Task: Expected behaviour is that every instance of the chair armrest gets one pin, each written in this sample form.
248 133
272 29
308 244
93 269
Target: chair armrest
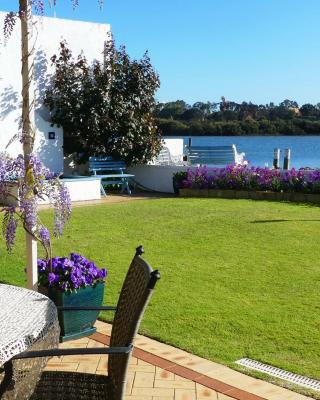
73 351
84 308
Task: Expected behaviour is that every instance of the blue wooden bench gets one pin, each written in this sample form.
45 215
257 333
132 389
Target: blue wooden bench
111 173
214 155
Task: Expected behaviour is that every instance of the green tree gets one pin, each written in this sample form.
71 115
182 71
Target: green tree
309 110
170 127
105 109
173 109
193 114
289 104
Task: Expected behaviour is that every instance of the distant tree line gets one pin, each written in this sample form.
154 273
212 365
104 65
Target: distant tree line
228 118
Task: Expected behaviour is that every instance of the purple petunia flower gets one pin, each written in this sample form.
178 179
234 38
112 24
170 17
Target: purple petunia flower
102 273
52 278
42 266
70 273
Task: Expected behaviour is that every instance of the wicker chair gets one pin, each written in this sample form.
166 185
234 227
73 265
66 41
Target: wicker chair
135 294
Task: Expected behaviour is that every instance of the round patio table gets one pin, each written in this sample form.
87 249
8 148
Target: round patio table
28 321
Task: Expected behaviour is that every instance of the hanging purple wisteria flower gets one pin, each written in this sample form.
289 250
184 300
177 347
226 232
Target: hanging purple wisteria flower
9 227
25 187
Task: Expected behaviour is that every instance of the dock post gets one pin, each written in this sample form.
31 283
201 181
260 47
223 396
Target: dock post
186 156
287 158
276 158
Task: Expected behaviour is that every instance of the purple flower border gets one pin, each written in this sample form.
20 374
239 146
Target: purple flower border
248 178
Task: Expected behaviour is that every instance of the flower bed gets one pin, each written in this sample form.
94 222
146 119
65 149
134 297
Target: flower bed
256 183
253 179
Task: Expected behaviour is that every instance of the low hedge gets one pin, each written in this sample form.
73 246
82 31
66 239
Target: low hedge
242 194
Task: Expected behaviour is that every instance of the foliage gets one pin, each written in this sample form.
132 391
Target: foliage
69 274
253 178
228 118
33 185
180 177
105 108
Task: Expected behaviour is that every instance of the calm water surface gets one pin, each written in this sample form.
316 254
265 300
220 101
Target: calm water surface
305 150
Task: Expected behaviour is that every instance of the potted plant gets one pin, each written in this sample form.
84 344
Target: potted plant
72 282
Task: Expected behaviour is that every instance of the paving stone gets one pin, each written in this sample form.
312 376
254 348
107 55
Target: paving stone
141 362
174 384
130 380
222 396
88 368
162 398
54 360
83 359
62 367
184 394
103 363
93 343
164 375
144 379
154 392
204 393
142 368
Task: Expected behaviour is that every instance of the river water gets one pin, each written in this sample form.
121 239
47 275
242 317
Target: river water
305 150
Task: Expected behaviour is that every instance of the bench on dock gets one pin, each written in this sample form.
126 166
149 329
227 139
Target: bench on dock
214 155
111 172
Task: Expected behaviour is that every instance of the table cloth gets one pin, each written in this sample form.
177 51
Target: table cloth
28 321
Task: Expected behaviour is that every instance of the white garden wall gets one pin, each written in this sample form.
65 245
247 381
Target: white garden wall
156 177
80 36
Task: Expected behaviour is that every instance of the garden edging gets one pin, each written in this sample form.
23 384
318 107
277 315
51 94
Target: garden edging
253 195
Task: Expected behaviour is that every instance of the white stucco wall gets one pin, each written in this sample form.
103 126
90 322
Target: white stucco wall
175 146
80 36
156 177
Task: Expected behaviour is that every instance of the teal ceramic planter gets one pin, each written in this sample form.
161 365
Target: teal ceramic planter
76 324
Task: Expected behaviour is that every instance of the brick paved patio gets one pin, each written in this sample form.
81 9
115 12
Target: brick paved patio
161 372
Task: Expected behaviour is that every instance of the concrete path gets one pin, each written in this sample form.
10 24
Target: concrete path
162 372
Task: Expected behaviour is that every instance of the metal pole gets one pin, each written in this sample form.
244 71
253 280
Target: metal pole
276 158
287 158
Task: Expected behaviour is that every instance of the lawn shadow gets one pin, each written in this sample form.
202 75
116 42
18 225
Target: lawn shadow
267 221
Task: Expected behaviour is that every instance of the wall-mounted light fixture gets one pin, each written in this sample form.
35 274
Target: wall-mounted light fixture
51 135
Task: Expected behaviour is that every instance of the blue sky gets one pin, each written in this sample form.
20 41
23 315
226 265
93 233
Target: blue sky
251 50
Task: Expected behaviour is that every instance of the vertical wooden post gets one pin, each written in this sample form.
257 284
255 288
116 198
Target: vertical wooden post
276 158
32 269
287 158
27 119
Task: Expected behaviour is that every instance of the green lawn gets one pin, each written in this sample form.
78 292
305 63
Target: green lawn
239 278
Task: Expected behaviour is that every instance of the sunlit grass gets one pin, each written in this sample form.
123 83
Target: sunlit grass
239 278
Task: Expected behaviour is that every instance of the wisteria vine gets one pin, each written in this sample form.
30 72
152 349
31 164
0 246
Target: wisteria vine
23 190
